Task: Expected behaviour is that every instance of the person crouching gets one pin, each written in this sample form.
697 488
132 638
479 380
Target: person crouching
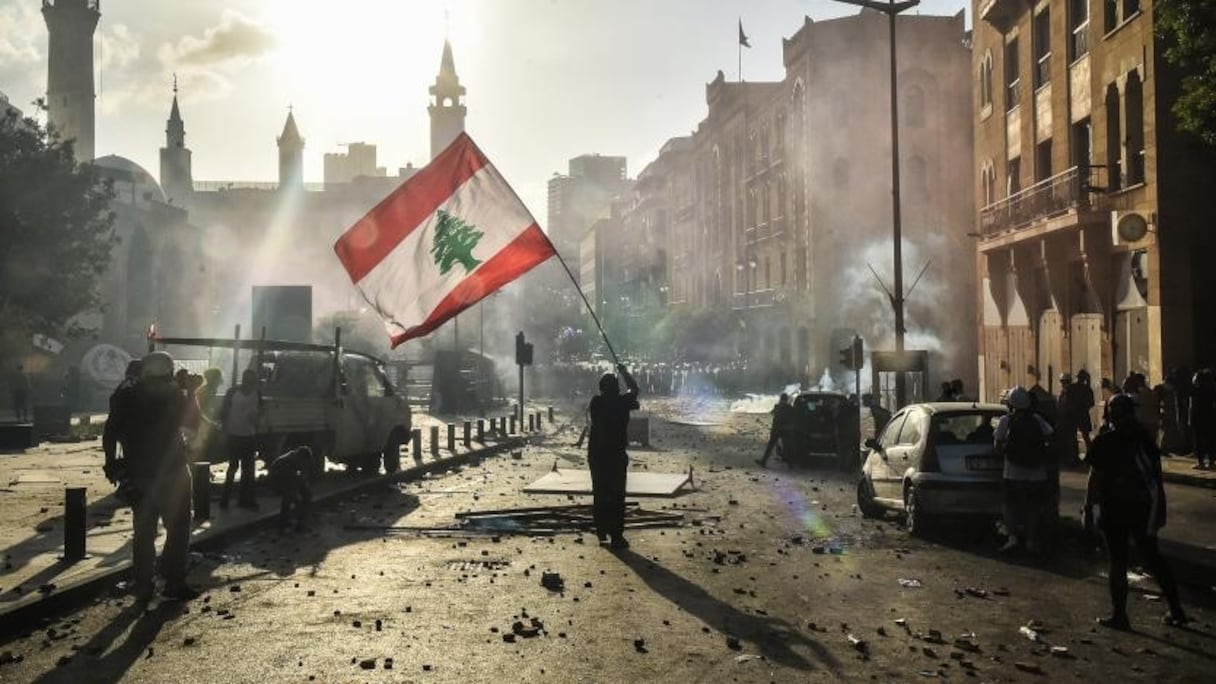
288 476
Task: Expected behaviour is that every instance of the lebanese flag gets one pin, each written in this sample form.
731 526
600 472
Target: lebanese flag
448 236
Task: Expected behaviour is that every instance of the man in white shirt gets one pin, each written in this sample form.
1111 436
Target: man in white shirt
239 416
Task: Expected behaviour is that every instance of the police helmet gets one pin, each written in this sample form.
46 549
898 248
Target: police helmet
158 365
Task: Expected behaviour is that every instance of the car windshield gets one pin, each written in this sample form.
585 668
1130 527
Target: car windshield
964 428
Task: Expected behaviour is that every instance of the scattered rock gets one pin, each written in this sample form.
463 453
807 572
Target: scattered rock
552 581
733 643
368 663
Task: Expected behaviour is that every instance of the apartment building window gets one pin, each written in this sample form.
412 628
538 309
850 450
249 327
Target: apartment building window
1012 74
1082 145
1013 176
1117 12
988 182
1114 139
1042 160
1042 47
1133 102
1078 28
986 80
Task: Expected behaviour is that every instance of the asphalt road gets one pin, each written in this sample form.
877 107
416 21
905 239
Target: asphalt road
773 576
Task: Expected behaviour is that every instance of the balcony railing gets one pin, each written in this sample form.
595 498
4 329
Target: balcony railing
1074 189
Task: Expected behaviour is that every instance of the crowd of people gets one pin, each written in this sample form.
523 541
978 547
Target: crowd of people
661 379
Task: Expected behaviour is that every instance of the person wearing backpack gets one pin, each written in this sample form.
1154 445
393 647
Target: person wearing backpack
1021 439
1125 499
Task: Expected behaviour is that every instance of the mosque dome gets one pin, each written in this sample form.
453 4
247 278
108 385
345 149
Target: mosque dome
132 183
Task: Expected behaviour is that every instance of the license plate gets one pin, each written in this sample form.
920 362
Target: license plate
985 463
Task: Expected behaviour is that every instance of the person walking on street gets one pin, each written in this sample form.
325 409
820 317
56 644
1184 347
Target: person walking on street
19 392
1125 499
782 413
145 418
1021 439
239 416
1203 418
609 412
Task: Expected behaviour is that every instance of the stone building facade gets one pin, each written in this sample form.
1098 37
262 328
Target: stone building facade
1091 204
775 204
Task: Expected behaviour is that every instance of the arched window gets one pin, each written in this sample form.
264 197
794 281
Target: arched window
988 182
986 80
914 106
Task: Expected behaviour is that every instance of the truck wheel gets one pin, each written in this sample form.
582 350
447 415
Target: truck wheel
392 452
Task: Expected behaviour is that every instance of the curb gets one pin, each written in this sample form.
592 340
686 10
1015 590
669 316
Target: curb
1189 480
23 615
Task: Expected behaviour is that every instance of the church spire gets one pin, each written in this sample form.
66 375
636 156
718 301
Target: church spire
447 109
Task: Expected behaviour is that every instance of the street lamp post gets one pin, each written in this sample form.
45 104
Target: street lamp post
891 9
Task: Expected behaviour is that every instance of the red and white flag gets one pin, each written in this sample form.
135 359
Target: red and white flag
447 237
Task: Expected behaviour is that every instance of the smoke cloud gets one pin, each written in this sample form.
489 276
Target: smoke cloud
236 37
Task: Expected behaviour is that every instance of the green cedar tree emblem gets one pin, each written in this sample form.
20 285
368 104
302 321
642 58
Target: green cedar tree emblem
454 241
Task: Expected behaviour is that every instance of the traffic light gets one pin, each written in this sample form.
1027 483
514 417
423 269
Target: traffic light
852 357
846 357
523 351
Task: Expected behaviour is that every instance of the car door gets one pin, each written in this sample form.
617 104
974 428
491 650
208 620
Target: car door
905 455
881 474
352 410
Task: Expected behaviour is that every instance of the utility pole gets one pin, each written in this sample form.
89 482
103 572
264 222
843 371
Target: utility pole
892 9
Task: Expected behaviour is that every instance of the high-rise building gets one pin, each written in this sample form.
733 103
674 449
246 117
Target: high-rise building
69 90
447 110
577 199
1093 209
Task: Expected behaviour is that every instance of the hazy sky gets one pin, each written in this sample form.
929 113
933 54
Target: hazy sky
547 79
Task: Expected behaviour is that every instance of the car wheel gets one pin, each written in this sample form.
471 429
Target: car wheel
392 453
914 517
865 499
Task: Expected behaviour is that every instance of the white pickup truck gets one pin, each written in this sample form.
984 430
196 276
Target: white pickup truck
340 403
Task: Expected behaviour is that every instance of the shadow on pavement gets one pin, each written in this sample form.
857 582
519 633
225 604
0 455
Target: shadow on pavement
775 638
101 661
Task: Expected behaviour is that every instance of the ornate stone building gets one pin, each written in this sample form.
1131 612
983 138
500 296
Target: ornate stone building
773 207
1093 209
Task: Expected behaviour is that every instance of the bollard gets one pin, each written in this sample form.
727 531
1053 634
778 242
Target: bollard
73 523
200 483
416 442
468 428
539 420
435 440
451 437
512 429
481 431
531 422
550 415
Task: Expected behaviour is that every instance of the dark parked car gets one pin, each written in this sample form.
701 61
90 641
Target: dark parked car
825 428
934 460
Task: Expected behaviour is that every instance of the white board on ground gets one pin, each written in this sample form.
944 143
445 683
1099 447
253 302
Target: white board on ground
578 481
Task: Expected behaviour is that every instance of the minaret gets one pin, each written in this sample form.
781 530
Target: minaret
291 155
69 82
447 110
176 178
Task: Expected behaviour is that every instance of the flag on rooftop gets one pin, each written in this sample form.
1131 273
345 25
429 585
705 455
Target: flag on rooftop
743 36
450 235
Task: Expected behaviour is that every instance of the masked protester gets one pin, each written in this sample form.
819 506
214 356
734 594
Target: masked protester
609 411
1125 499
153 473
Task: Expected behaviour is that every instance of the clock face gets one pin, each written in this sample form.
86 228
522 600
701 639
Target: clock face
1132 227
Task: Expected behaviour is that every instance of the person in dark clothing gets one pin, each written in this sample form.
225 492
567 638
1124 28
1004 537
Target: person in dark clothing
878 414
782 418
947 394
1080 402
1203 418
145 418
288 475
1126 496
609 412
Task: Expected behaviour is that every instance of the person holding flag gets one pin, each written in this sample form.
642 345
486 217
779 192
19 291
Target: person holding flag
609 412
